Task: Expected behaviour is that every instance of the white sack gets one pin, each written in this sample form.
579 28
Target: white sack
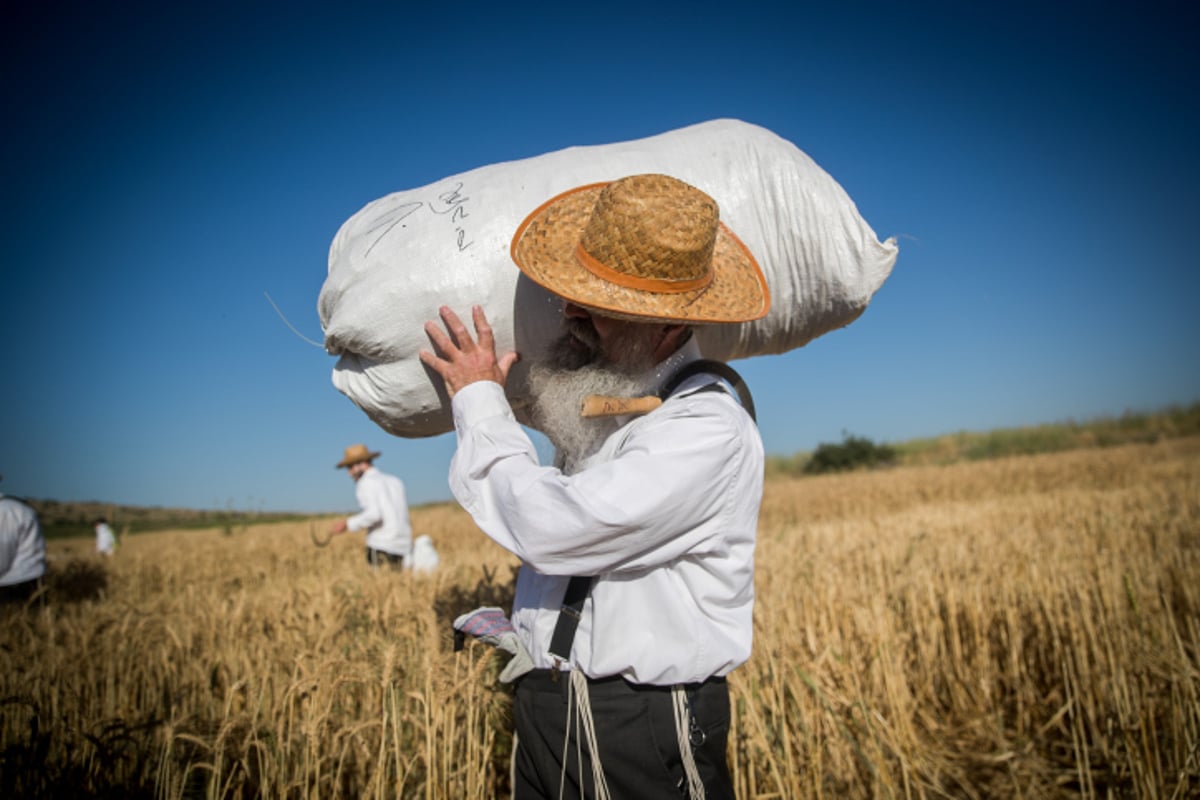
425 556
395 262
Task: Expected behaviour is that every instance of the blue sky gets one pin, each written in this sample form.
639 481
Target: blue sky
165 167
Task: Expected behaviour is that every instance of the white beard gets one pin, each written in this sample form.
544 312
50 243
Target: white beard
575 368
558 398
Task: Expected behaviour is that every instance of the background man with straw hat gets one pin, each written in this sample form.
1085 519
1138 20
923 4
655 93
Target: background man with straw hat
384 514
635 596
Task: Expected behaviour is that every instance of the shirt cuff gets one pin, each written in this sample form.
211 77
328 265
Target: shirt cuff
478 401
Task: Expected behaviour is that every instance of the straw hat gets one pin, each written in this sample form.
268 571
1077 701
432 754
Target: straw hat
356 453
642 247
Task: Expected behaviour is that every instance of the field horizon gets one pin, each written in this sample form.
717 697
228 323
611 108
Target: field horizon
73 519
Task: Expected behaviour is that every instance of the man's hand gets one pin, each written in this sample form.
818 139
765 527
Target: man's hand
464 360
340 527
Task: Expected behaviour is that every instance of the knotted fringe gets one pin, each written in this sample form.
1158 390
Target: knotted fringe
579 706
682 732
579 716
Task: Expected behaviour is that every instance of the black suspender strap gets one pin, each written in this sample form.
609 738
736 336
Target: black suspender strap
568 616
721 370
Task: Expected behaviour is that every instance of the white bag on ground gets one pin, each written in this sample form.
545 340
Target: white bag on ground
396 261
425 556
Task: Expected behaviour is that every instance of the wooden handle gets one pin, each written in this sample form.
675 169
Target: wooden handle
598 405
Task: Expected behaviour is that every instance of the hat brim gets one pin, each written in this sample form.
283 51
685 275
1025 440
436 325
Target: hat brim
544 249
348 462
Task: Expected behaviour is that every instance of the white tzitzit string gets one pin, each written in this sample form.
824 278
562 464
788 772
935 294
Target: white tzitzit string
682 732
579 703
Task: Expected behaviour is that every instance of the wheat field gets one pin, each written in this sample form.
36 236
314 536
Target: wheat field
1024 627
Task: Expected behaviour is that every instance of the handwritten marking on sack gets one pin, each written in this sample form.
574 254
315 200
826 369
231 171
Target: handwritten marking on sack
388 220
451 202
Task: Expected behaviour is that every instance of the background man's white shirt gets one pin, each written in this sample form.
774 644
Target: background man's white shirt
384 513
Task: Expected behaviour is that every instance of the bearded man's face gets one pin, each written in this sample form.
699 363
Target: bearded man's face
595 355
620 345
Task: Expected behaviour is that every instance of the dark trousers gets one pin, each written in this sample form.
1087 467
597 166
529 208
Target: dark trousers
635 733
378 558
20 593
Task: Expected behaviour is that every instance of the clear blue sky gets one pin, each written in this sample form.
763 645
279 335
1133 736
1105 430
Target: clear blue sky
164 168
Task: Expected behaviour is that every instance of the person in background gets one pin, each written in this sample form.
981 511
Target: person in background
384 514
635 595
22 551
106 541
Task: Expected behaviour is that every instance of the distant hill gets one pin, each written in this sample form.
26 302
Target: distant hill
1129 428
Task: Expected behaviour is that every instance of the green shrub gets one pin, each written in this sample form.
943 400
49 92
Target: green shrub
852 453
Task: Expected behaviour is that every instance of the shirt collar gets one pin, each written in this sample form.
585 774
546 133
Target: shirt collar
658 376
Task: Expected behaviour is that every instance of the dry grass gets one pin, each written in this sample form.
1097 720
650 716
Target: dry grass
1028 627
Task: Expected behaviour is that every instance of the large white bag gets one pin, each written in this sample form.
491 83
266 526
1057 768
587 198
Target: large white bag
396 261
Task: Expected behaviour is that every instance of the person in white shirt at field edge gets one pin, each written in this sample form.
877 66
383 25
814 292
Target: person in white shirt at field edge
106 541
384 514
635 595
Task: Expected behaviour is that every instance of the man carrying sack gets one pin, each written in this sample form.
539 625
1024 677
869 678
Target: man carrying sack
635 595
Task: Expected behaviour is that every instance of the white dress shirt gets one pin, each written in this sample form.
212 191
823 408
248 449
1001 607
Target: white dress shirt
384 513
22 548
665 514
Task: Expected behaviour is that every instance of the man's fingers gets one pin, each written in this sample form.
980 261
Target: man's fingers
483 329
454 339
440 340
436 364
457 330
461 360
